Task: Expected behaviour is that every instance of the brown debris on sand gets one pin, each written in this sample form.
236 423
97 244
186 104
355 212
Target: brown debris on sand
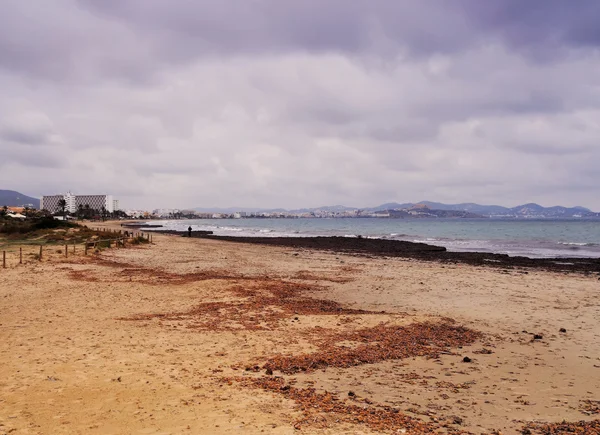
266 304
580 428
324 409
263 305
590 407
380 343
130 272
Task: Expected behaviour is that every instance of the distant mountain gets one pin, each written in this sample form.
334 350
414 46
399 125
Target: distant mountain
423 211
470 207
326 208
528 210
224 210
391 206
467 209
11 198
330 208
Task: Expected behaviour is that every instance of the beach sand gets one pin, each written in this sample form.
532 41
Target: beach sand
178 337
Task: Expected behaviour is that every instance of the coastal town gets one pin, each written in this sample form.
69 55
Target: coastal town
102 206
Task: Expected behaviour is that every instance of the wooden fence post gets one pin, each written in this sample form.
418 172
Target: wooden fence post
41 252
67 251
21 255
4 259
86 247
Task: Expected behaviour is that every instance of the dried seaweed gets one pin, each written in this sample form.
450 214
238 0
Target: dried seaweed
579 428
261 305
322 409
380 343
590 407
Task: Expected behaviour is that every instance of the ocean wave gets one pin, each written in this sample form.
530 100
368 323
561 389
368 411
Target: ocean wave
577 244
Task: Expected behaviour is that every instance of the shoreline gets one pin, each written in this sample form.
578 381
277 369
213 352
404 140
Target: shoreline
411 250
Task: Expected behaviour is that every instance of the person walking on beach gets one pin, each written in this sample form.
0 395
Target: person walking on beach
189 231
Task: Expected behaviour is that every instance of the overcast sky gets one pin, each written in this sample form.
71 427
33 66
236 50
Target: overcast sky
301 103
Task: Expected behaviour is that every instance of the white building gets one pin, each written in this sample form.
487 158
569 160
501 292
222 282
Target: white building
94 202
165 212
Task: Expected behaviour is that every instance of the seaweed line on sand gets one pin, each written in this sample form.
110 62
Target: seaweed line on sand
579 428
376 344
323 409
262 304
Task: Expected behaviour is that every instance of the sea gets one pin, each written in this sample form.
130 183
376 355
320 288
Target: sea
534 238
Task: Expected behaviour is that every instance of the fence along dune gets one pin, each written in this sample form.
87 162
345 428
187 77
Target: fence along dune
19 248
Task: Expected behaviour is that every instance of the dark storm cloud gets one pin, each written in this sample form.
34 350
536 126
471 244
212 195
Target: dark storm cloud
426 26
270 25
133 39
538 22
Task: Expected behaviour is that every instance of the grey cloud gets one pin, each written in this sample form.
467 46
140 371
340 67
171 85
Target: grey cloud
427 26
538 23
299 103
30 128
26 157
133 40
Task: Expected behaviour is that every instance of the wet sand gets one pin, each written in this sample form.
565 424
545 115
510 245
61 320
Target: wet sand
210 336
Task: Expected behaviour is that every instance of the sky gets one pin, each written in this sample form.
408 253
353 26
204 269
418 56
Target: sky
302 103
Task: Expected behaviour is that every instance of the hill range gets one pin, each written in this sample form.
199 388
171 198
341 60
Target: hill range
530 210
11 198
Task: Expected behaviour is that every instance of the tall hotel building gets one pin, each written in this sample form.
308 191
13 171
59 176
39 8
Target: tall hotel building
95 202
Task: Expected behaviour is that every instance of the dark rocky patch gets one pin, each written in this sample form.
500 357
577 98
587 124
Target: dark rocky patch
195 233
419 251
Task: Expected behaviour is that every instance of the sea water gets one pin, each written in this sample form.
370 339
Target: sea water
535 238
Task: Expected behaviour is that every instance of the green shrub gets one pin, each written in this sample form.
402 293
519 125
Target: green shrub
33 225
139 240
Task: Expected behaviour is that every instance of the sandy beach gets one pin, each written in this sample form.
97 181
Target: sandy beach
210 336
